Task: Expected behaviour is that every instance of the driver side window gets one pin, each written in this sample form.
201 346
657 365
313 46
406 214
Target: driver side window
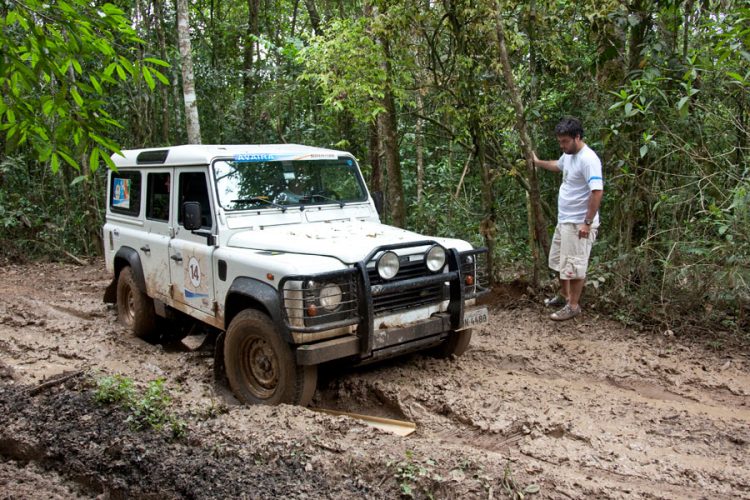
194 187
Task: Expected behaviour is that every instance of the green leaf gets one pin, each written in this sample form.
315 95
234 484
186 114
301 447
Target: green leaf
96 84
531 489
78 180
149 79
158 62
77 66
158 74
55 163
121 72
48 106
110 69
644 150
76 97
94 159
70 161
736 76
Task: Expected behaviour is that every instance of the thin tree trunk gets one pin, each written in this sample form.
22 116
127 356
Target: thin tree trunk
188 81
248 81
376 176
419 144
163 90
686 28
312 12
396 206
539 227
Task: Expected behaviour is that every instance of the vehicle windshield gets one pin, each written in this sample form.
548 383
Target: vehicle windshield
251 183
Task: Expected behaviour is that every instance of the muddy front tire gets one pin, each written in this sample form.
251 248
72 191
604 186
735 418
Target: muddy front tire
261 367
135 309
456 344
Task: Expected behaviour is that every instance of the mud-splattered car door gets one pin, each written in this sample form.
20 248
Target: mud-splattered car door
154 245
190 254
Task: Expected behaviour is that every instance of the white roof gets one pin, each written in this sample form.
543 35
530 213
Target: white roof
203 154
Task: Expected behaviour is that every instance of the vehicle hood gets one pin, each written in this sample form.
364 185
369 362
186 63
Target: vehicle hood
347 241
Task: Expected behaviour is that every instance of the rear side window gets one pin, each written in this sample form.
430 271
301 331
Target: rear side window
125 193
157 197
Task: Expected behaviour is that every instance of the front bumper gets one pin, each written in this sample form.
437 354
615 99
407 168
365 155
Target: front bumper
357 318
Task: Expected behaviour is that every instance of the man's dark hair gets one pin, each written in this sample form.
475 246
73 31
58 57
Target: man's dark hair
569 126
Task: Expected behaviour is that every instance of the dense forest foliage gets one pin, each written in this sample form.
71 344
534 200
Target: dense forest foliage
442 101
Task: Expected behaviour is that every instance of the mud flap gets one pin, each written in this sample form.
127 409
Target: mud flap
220 374
110 294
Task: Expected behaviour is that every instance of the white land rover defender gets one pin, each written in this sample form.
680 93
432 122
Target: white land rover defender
280 248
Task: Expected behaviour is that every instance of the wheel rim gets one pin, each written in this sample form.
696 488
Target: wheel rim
259 367
129 305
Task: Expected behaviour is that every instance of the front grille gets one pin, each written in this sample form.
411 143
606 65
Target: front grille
397 300
304 306
474 265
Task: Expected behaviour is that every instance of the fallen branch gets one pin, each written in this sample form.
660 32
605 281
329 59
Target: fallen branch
55 381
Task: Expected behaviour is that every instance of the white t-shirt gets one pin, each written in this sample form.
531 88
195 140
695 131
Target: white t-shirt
582 173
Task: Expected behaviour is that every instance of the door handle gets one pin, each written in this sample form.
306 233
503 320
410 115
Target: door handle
145 248
176 257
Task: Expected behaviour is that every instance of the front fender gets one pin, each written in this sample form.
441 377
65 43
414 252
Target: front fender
252 293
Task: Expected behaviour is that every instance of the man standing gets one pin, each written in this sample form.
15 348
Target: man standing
577 214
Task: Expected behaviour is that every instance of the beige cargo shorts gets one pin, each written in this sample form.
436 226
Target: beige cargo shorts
569 254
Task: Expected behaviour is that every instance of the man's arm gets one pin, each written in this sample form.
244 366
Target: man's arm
550 165
594 201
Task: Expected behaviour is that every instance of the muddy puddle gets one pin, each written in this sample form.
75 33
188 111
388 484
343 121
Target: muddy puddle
580 409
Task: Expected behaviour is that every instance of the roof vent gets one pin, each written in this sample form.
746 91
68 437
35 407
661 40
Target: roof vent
156 157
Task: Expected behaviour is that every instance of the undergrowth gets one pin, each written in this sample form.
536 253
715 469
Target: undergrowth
148 409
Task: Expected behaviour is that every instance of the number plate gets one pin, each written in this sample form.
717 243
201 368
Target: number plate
474 317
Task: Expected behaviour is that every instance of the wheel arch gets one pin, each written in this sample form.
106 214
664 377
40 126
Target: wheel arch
250 293
125 256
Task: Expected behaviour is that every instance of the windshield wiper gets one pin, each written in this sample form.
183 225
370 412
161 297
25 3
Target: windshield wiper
313 196
256 199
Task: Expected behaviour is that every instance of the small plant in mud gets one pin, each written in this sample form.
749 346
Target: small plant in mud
114 389
511 487
147 410
410 473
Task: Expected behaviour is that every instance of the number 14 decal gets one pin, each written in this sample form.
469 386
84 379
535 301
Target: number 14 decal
194 272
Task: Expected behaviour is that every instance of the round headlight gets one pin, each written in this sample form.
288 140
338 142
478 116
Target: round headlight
330 296
388 265
435 258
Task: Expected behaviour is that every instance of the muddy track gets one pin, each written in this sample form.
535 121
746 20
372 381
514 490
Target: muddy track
585 408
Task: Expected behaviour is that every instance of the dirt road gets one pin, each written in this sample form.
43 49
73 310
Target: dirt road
580 409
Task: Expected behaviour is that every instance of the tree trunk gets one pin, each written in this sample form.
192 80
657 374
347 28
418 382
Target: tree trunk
376 176
163 90
419 144
539 226
396 206
312 12
188 81
248 81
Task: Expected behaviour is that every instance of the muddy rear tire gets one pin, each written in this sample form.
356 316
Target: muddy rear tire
456 344
135 309
261 367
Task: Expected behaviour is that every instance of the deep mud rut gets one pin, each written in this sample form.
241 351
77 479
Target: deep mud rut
580 409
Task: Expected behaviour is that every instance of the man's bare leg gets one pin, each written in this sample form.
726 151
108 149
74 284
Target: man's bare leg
575 288
565 289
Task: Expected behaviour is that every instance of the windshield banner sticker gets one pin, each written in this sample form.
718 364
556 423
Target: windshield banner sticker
263 157
121 193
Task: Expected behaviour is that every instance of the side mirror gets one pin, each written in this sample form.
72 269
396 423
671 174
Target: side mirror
377 197
191 215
